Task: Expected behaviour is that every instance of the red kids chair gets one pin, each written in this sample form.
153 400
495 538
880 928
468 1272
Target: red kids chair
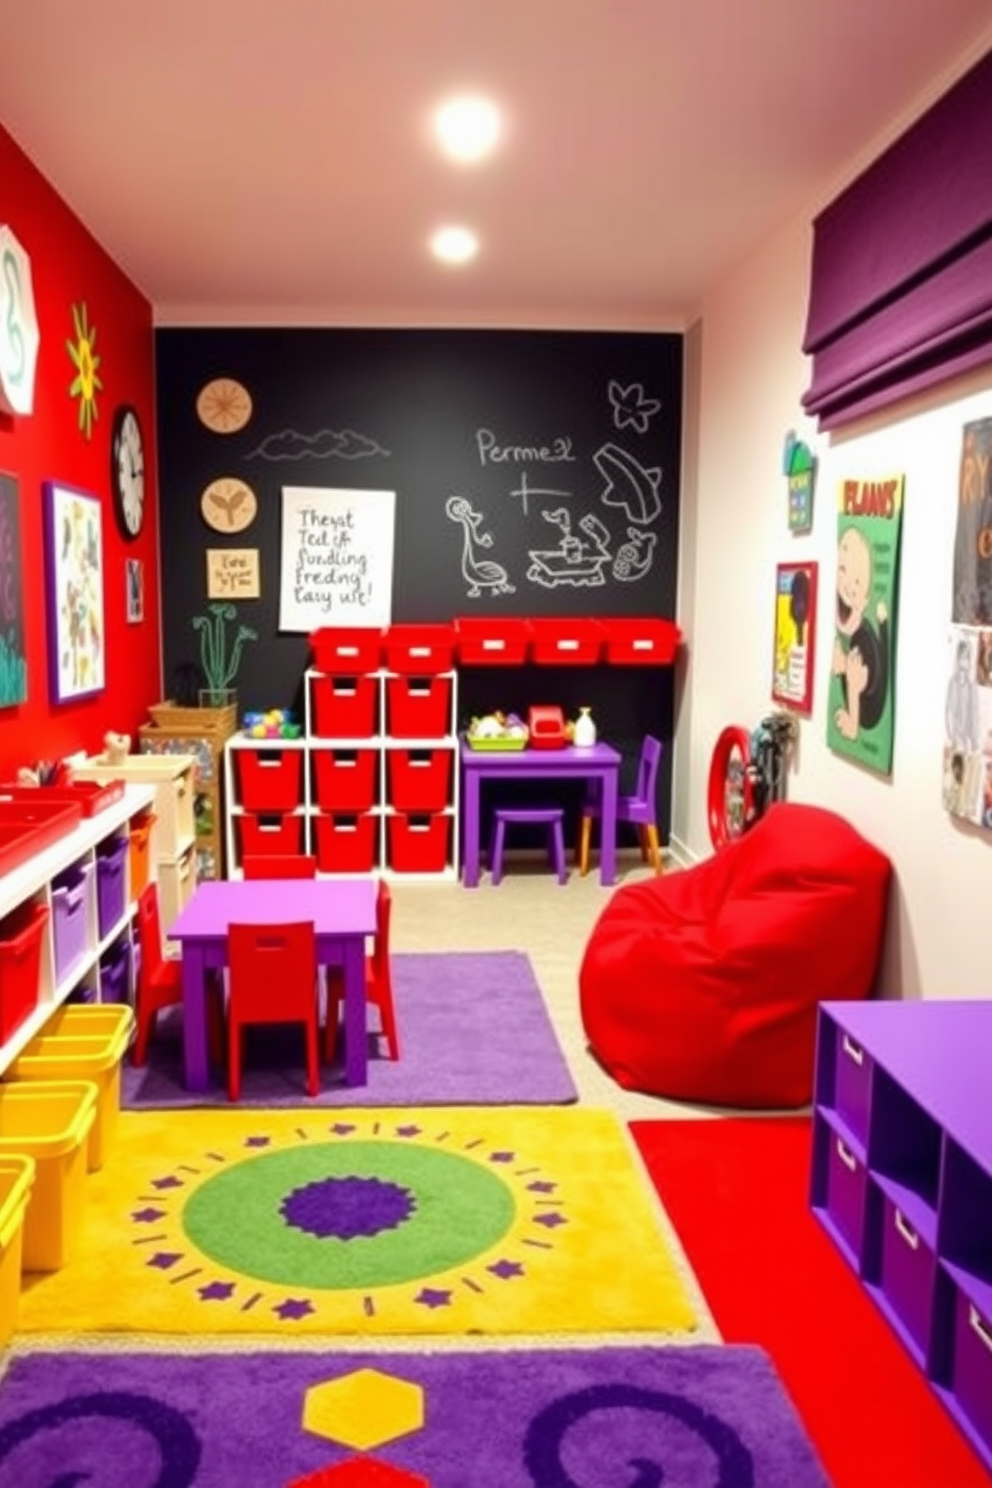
272 978
378 982
160 984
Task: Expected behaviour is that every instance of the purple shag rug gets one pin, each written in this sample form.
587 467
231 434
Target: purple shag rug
701 1417
473 1031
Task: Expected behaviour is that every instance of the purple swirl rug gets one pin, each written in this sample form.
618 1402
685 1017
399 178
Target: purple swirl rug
473 1031
701 1417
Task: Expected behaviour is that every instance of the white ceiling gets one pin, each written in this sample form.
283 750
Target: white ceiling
269 160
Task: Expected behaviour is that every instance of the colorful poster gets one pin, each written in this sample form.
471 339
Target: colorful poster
795 625
972 597
861 700
967 765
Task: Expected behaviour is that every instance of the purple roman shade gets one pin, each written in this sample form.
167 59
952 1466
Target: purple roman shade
901 274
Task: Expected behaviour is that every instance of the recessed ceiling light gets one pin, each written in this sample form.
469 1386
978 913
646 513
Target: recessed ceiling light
467 128
454 245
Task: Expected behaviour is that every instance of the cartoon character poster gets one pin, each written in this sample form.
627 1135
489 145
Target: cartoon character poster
861 702
971 602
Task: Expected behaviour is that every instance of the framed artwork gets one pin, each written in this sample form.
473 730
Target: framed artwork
795 631
13 654
74 572
134 578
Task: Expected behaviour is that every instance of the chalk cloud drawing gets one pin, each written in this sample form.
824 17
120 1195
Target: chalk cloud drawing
631 407
635 556
629 484
481 575
576 561
525 492
343 444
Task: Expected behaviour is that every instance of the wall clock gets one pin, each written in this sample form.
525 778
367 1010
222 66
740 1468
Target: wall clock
228 504
224 405
127 471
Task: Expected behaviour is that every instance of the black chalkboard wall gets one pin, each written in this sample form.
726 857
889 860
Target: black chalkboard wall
551 457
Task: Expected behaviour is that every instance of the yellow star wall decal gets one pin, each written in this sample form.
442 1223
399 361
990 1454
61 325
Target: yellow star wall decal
83 355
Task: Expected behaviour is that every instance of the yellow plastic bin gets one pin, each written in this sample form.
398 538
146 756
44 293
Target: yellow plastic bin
50 1121
16 1180
80 1048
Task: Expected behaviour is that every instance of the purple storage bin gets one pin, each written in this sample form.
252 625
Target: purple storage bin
846 1189
908 1273
115 969
853 1087
111 858
69 917
971 1380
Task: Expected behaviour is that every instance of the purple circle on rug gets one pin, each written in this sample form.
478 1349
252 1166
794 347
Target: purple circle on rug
347 1208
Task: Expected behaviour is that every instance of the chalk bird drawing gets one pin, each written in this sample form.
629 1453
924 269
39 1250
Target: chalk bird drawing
290 444
576 561
631 406
635 556
480 574
629 484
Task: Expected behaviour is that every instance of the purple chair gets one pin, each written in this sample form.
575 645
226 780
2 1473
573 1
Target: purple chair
639 808
547 816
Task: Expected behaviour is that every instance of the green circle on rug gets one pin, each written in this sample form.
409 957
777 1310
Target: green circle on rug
348 1214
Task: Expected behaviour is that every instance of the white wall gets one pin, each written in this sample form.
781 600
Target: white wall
748 373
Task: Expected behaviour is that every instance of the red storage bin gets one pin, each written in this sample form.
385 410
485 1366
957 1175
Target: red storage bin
20 965
419 844
566 642
420 648
269 779
345 843
279 835
344 707
345 779
418 707
30 823
419 780
641 642
492 642
346 651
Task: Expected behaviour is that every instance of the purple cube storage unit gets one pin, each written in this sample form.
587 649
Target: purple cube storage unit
111 896
70 918
902 1181
115 968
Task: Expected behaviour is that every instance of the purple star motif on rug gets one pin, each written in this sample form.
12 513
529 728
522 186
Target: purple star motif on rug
342 1128
163 1259
216 1291
293 1309
432 1297
506 1270
408 1131
541 1186
170 1182
147 1216
501 1157
258 1141
550 1220
346 1208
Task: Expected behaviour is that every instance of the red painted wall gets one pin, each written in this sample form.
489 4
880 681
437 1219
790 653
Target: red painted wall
69 267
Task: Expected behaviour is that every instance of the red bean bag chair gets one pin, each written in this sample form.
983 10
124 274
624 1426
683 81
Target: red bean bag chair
703 985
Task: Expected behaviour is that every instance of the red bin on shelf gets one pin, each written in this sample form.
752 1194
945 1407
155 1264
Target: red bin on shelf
345 779
277 835
419 843
566 642
20 965
347 651
344 707
420 648
418 707
269 779
641 642
346 842
493 642
419 779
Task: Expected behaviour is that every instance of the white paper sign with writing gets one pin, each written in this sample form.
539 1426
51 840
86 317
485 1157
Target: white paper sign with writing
337 557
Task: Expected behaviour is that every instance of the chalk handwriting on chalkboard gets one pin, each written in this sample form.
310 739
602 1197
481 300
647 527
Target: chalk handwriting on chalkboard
629 484
575 562
558 452
290 444
630 406
525 491
480 574
634 557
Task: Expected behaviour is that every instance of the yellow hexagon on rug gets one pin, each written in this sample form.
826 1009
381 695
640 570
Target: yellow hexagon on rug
363 1409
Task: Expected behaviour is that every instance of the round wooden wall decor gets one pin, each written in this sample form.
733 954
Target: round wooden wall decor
228 504
224 405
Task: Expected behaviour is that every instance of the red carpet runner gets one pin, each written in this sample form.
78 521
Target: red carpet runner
735 1190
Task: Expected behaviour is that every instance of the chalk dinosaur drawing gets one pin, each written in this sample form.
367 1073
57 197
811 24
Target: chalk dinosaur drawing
629 484
635 556
574 561
631 406
290 444
480 574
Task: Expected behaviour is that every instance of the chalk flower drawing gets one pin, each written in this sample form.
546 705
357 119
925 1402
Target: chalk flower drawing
290 444
479 573
83 355
631 406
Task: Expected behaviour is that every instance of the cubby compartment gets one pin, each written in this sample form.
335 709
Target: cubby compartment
906 1274
268 780
176 885
840 1185
115 972
111 884
71 918
418 843
345 779
418 707
345 843
419 780
905 1147
277 834
965 1236
345 707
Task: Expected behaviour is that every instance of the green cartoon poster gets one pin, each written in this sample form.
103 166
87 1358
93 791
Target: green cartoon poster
861 704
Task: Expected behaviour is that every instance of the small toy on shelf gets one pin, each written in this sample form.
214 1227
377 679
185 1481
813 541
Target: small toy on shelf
276 723
117 747
497 731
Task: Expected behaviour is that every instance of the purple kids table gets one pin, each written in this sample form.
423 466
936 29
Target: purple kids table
598 762
343 914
